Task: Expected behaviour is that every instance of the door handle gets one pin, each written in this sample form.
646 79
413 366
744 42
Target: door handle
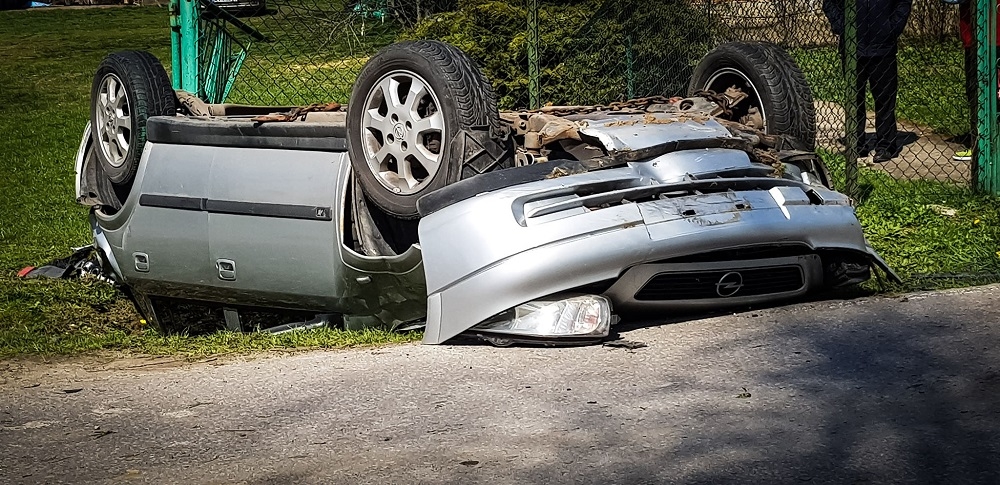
227 269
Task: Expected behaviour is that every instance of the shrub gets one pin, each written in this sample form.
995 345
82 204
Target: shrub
591 51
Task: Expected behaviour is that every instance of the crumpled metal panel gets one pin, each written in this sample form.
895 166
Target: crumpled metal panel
631 132
480 260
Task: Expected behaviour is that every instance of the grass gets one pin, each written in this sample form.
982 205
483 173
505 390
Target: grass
46 63
67 317
946 236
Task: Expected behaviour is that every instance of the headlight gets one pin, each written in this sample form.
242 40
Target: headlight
577 316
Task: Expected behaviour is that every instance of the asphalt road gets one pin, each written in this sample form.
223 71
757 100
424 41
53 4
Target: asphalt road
884 390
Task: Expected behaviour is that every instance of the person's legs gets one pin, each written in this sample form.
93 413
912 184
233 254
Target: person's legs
971 86
885 85
971 80
864 73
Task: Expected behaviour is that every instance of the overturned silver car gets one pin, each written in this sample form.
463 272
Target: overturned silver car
422 206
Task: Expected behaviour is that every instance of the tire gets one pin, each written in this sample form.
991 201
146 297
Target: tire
442 125
776 86
141 80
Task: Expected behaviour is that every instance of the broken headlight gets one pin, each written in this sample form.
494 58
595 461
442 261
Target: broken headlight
576 316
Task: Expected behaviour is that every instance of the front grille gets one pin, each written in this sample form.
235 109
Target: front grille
700 285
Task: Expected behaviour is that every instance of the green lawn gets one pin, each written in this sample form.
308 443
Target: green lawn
46 63
934 234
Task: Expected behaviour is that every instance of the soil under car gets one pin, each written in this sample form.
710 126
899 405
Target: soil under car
423 206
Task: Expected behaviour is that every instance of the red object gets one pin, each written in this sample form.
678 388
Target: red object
24 272
965 24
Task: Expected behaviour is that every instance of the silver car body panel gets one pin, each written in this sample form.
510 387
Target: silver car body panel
631 132
480 260
487 254
194 208
81 156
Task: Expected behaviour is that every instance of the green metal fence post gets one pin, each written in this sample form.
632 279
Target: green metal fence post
850 41
629 67
534 86
175 44
189 45
986 169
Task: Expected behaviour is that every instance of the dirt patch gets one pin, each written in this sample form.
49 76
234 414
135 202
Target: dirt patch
925 155
47 371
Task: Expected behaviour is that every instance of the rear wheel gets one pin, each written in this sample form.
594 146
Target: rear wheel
421 117
779 103
129 87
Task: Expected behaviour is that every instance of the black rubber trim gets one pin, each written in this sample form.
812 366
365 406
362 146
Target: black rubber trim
258 209
293 135
501 179
284 211
172 202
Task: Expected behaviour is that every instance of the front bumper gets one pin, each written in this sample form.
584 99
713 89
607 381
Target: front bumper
539 239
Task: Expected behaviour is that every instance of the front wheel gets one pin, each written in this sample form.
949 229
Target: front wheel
421 116
779 100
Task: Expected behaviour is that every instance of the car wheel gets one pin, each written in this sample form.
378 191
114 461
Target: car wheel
779 102
422 116
382 237
129 87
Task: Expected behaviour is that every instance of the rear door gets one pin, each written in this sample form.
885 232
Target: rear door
273 225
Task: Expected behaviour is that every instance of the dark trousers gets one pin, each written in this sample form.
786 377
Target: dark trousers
882 75
972 93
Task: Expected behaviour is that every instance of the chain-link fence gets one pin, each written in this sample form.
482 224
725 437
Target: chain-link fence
899 88
910 66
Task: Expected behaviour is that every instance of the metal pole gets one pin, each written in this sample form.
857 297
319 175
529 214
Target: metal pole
534 85
851 75
629 67
189 45
175 44
986 169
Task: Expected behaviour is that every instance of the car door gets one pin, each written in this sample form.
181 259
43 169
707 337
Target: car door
165 239
272 225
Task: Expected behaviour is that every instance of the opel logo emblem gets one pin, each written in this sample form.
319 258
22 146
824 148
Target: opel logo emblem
399 131
729 284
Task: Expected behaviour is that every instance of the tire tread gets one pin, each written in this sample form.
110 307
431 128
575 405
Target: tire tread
793 112
475 110
151 94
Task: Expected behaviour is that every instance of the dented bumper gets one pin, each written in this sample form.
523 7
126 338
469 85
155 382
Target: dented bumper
645 246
